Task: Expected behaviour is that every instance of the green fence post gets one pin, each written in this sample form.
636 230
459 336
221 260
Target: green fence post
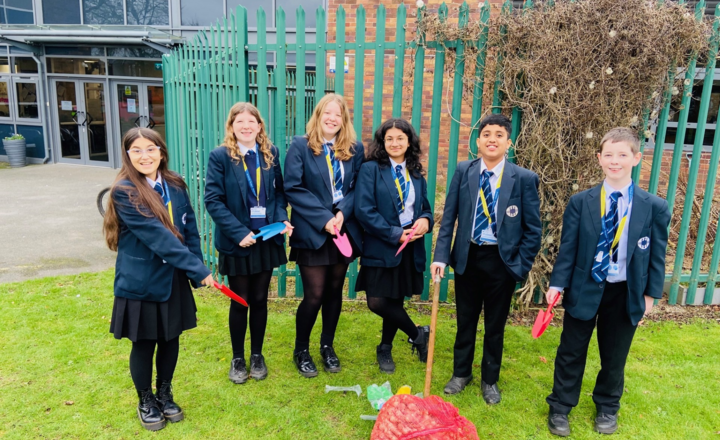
497 94
359 69
320 61
712 171
435 116
379 67
281 103
457 97
399 62
300 73
340 50
697 150
479 79
660 133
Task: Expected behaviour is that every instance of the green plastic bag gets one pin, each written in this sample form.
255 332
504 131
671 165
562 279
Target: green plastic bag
378 395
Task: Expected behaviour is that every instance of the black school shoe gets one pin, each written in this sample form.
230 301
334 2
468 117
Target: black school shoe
491 393
238 371
151 418
304 363
385 359
420 344
164 397
606 423
258 369
331 363
558 424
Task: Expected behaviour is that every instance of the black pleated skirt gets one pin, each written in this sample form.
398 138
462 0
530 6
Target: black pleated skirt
136 319
325 255
264 256
392 282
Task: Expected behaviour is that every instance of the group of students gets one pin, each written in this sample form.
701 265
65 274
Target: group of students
378 199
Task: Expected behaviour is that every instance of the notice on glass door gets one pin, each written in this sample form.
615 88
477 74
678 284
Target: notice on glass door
66 105
131 106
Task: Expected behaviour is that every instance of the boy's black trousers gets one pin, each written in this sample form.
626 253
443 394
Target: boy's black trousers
614 333
486 283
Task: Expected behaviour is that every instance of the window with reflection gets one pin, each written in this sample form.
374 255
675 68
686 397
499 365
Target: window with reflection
103 12
200 12
148 12
16 11
290 8
133 52
78 66
4 65
27 104
151 69
25 65
4 100
61 11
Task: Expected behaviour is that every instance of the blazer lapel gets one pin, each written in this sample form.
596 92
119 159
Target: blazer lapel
323 170
386 173
506 187
417 185
593 204
473 183
266 175
639 211
348 167
239 171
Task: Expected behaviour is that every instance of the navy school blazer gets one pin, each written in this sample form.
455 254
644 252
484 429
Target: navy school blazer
647 242
148 253
376 211
226 190
519 229
307 188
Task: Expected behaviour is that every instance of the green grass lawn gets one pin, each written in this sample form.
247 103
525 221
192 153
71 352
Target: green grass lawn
63 375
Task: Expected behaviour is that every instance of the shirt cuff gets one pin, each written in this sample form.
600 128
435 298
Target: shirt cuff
559 289
442 265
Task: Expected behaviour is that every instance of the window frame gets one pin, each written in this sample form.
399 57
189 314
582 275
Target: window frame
22 78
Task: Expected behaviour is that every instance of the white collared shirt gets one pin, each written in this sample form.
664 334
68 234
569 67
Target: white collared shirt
494 179
342 168
244 150
153 182
407 215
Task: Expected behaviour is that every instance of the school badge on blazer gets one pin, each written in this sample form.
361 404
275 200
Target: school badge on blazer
512 211
644 242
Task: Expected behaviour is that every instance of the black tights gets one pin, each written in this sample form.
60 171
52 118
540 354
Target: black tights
141 361
394 317
254 290
322 286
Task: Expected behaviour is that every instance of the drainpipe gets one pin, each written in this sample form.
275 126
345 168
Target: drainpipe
43 107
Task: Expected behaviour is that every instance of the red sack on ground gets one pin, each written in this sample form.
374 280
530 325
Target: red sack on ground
406 417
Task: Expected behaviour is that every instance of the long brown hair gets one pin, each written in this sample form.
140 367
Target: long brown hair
262 139
344 139
146 200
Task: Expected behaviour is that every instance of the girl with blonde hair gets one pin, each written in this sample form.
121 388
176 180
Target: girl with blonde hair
320 172
244 192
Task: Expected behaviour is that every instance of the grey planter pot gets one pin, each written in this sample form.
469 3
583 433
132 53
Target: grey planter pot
16 152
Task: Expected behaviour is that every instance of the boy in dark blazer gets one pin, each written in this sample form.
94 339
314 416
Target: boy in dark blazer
498 236
611 266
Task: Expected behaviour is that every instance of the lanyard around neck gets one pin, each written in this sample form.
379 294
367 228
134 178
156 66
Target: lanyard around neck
257 176
621 227
330 166
169 202
399 190
497 191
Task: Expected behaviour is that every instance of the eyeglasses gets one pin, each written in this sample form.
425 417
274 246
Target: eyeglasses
139 152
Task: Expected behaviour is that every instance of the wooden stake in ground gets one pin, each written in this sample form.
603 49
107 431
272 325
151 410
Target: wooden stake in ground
431 343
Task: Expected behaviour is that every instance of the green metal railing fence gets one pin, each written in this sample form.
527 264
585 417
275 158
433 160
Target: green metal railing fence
206 76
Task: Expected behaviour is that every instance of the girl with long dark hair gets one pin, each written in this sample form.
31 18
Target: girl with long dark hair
151 225
390 201
320 172
243 193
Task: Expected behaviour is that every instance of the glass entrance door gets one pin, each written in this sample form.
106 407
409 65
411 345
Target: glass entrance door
140 104
81 122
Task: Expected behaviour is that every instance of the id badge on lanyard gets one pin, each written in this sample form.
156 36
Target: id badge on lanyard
255 211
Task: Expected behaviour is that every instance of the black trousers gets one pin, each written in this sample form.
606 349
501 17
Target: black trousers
615 334
486 282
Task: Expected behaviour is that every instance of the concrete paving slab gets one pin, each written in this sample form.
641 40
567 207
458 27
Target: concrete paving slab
49 222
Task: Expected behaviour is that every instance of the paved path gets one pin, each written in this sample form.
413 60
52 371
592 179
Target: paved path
49 223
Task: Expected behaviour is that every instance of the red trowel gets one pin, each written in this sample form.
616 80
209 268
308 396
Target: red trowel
543 319
229 293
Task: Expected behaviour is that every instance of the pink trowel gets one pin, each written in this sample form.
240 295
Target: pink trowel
407 240
342 242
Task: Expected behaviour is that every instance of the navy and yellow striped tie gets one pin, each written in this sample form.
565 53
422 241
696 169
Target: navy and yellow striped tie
481 220
602 252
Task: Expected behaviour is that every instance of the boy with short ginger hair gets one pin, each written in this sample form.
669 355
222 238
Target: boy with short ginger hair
611 267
